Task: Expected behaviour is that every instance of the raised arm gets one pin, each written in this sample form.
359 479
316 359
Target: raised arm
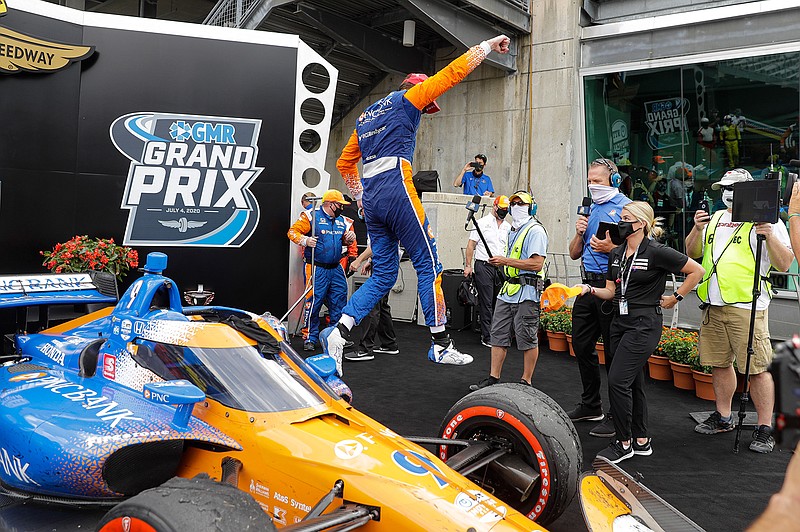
348 166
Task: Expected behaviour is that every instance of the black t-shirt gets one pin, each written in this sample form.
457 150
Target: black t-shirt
654 261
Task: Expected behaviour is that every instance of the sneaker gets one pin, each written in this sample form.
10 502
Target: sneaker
763 442
386 351
616 453
448 355
333 344
642 450
605 429
355 356
484 343
715 424
585 413
488 381
309 346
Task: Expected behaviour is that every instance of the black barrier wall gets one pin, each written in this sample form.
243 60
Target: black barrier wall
62 175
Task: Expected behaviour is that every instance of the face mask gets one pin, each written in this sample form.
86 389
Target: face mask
626 229
602 193
337 211
502 213
520 214
727 198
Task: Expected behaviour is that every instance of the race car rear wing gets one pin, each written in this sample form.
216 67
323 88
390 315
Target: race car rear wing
56 289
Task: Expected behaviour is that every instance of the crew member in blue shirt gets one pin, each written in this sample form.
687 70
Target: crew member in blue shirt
591 316
472 178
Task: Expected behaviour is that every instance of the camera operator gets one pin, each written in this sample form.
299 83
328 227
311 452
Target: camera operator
591 317
781 513
472 178
728 252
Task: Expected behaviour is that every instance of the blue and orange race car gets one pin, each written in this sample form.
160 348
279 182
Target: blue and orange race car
204 418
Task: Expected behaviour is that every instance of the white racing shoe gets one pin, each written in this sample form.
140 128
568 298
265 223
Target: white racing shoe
448 355
333 345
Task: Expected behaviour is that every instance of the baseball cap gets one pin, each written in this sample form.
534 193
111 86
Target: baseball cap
334 195
416 78
523 196
501 202
736 175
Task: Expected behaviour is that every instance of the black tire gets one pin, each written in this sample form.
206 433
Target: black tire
182 504
539 432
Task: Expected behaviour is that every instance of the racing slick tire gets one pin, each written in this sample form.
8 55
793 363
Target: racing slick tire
182 504
537 430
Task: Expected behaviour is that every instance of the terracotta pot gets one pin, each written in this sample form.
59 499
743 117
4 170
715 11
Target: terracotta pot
569 342
601 352
557 341
682 376
659 367
703 387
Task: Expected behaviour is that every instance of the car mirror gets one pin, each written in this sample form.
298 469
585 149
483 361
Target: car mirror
178 392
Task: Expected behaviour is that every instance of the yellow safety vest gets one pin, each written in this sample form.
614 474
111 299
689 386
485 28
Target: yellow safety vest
734 268
515 253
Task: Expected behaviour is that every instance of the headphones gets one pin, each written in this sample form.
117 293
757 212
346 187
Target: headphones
613 174
533 207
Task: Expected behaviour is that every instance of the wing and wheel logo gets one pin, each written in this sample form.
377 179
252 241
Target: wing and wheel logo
24 53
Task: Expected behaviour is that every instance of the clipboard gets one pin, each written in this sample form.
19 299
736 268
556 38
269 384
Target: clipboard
613 230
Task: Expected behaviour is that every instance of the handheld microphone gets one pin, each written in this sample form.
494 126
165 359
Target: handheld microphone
586 205
472 206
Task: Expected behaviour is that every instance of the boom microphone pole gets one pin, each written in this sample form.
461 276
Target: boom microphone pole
472 207
756 294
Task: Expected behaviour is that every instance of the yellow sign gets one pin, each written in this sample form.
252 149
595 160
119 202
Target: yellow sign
23 53
3 8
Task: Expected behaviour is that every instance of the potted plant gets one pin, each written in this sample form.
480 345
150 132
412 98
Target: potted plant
557 325
658 363
83 254
680 346
703 383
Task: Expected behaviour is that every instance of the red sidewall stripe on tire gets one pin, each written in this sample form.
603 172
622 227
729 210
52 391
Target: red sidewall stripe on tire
484 411
127 524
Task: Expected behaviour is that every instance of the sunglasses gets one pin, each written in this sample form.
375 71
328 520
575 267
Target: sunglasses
727 187
517 203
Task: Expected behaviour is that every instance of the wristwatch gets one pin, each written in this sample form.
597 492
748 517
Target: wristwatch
677 296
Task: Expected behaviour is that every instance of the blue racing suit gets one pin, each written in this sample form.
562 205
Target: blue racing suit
330 284
385 138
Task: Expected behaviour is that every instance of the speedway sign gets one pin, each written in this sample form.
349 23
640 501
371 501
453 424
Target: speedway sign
189 178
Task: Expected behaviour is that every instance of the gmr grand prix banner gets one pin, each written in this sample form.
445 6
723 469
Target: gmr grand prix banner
189 178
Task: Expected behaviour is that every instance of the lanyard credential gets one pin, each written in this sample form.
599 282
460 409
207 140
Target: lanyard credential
623 283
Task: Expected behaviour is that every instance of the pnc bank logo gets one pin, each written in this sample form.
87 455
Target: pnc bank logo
189 178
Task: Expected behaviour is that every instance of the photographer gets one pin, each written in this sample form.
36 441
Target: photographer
728 250
472 178
781 514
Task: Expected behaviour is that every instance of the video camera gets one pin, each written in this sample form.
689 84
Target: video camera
761 200
785 370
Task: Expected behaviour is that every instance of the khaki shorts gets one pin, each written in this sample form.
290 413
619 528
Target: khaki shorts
723 336
523 317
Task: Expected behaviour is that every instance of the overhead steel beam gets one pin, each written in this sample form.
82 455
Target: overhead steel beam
461 29
255 16
512 15
365 42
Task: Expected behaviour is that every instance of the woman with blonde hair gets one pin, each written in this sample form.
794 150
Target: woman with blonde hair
636 278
